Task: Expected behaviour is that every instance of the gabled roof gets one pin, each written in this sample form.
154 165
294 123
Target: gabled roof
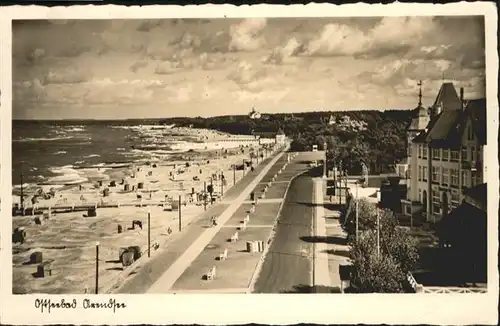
280 132
445 131
448 98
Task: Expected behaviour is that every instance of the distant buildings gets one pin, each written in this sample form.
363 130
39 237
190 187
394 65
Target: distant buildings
345 123
331 121
254 114
445 153
280 138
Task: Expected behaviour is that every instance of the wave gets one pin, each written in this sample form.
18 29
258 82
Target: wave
66 176
22 140
60 152
92 155
75 129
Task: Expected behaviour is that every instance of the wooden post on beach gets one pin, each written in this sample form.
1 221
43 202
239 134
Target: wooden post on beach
234 174
22 194
149 234
243 167
180 214
97 268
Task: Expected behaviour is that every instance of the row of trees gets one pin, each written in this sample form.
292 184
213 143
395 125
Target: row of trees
378 266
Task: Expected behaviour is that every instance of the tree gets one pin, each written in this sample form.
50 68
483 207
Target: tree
398 250
373 273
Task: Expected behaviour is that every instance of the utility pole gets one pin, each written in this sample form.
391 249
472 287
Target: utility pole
149 234
205 195
221 188
378 234
243 167
324 165
180 214
22 193
97 268
357 213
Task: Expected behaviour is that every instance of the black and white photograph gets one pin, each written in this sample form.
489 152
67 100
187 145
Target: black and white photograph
331 155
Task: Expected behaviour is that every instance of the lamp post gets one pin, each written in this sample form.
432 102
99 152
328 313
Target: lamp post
97 267
149 232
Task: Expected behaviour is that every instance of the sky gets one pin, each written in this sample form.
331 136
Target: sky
122 69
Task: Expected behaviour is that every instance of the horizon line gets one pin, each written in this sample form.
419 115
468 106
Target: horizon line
200 117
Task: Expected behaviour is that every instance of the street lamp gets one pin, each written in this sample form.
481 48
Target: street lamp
97 267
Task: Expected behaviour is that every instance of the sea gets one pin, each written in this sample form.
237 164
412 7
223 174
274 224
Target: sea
60 152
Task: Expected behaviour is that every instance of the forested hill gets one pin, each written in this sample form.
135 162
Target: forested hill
377 138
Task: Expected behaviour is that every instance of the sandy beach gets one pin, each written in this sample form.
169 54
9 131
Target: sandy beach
67 239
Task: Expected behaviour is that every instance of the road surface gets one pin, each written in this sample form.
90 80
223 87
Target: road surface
287 267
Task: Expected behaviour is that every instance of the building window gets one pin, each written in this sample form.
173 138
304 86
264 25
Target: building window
446 154
419 173
454 177
436 200
424 152
465 179
473 154
454 156
445 176
424 174
420 195
455 200
464 154
473 179
408 209
435 174
419 151
435 154
470 133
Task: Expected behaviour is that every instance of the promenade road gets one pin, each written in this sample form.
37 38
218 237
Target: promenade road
287 267
176 269
153 269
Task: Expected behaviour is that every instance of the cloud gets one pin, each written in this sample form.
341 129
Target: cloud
67 77
282 54
336 40
138 65
166 68
246 73
247 36
392 35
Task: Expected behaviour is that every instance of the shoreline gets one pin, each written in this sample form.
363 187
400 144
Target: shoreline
66 239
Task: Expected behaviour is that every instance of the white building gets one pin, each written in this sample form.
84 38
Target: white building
254 114
280 137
